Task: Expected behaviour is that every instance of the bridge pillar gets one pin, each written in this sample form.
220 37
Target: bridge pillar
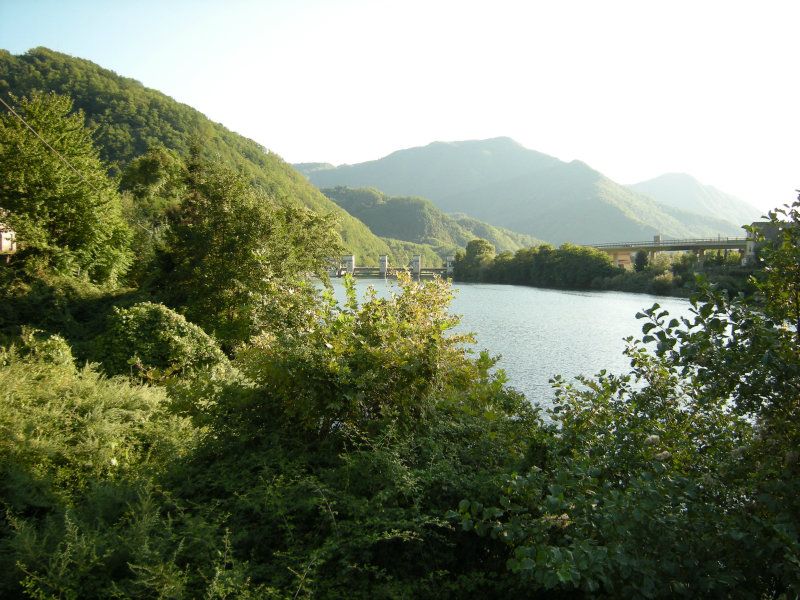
383 263
657 241
416 265
449 265
349 263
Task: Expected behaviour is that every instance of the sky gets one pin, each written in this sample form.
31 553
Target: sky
633 88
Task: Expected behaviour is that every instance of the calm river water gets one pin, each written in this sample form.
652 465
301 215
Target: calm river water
540 333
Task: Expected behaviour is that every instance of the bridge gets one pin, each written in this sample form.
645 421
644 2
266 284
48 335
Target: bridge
347 265
621 252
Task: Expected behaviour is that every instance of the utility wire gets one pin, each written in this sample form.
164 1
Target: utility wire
57 153
44 141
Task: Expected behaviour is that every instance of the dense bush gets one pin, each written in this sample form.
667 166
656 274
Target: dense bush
78 453
680 479
235 263
150 340
67 217
566 267
337 463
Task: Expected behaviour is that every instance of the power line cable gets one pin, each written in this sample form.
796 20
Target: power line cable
44 141
57 153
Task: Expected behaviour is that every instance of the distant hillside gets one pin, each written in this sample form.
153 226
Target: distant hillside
307 168
573 202
684 192
418 220
437 170
129 118
507 185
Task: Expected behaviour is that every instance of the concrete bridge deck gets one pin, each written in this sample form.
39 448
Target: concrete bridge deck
621 252
717 243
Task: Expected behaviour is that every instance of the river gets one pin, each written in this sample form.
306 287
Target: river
540 333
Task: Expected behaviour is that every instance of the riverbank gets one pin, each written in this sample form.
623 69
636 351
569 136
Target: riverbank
571 267
538 333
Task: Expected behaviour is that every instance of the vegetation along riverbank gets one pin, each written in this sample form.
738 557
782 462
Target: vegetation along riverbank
185 415
575 267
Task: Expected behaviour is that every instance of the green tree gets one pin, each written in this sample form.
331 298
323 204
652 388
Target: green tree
154 342
640 261
781 285
236 261
681 477
65 209
156 182
476 259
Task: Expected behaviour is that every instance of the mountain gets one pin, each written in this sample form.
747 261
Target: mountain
418 220
501 182
129 118
571 202
436 171
684 192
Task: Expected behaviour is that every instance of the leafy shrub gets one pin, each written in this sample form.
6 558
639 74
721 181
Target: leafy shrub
387 359
77 451
46 348
681 478
337 462
151 340
662 283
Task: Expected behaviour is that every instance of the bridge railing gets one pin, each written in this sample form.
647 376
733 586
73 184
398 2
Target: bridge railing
653 244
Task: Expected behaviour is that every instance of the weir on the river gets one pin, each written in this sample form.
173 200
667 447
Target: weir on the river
347 265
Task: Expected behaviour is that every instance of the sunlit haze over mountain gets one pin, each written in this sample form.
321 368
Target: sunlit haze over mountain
634 89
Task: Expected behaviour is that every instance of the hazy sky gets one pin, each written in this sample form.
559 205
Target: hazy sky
634 88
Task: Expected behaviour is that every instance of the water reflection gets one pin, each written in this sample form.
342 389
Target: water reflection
540 333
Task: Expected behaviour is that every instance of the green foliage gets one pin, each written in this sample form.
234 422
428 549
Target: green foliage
473 263
130 120
640 261
679 479
385 360
76 452
781 284
234 262
417 220
569 267
157 182
151 341
337 464
74 309
66 220
153 186
584 268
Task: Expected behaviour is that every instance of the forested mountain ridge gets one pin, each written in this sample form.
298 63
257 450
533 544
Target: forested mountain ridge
437 170
571 202
418 220
505 184
684 192
204 422
128 118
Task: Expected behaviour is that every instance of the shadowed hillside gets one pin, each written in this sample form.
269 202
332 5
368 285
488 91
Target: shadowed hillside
129 118
418 220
